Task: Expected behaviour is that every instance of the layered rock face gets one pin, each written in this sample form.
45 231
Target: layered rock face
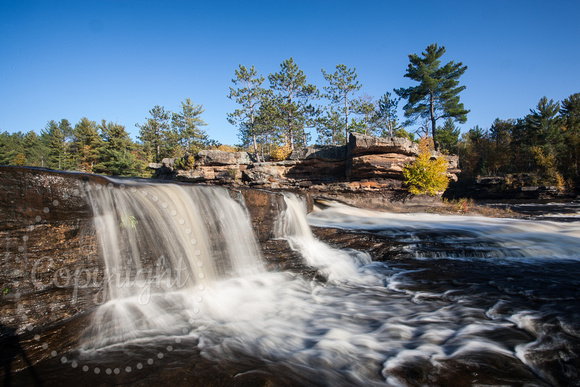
367 172
52 269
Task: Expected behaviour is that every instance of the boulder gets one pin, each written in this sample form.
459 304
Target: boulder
320 152
217 157
376 166
360 144
264 174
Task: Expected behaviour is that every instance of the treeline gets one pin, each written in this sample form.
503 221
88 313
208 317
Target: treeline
107 147
86 146
545 144
285 112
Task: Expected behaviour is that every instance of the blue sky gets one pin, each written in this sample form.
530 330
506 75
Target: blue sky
115 60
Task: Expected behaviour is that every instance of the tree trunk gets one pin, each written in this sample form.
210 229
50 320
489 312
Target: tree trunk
346 119
433 120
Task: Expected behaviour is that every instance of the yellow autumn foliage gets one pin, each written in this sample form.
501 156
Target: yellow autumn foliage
280 152
426 175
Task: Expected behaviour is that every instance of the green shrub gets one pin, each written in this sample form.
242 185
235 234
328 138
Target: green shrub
186 162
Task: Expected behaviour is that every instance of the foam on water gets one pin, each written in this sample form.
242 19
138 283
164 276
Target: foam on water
515 238
370 324
336 264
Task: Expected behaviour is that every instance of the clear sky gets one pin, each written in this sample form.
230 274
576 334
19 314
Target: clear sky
116 60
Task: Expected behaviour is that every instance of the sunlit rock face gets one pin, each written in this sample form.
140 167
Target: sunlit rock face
360 144
366 172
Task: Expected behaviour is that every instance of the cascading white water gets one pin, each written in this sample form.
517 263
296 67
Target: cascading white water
511 238
335 264
408 322
162 245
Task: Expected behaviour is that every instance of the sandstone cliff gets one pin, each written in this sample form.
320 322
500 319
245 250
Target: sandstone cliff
367 172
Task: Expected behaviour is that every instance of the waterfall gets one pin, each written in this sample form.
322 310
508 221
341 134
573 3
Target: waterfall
335 264
185 276
162 245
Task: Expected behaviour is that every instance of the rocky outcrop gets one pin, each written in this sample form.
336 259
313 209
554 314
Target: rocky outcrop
51 268
320 152
367 166
370 163
50 258
216 157
522 186
377 166
360 144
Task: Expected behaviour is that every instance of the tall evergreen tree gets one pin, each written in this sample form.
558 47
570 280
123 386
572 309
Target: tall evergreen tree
448 136
11 148
86 144
155 134
249 95
570 113
437 95
187 125
544 125
55 142
292 100
115 154
386 115
34 150
342 85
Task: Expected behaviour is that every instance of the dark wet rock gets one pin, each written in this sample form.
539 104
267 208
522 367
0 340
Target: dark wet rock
264 208
51 269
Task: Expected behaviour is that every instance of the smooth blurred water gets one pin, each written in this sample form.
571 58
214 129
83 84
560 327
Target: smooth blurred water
477 301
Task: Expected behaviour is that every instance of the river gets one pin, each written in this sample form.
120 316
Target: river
450 300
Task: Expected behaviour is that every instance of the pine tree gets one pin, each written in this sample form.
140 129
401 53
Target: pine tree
292 101
187 126
249 95
386 115
115 154
448 136
437 95
544 125
570 113
11 148
85 145
156 136
342 85
54 138
34 150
